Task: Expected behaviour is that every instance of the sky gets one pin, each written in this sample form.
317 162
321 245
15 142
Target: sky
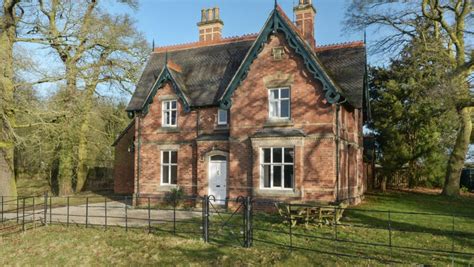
170 22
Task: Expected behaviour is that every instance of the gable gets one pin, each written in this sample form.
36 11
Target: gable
174 77
277 22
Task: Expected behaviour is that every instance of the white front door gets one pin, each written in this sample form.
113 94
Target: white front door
218 178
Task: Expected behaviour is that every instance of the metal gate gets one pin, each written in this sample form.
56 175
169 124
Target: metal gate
228 224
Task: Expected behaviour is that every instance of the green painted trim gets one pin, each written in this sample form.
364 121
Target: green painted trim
276 23
165 76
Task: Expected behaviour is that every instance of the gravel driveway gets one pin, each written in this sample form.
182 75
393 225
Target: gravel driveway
115 215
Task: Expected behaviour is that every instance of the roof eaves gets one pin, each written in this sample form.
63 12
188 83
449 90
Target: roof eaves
123 132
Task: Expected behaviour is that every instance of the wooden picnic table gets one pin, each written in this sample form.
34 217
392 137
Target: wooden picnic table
295 213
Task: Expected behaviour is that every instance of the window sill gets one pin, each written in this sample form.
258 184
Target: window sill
278 123
277 192
166 187
222 127
169 129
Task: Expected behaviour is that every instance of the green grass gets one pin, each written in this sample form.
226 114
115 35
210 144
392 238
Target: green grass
57 245
32 186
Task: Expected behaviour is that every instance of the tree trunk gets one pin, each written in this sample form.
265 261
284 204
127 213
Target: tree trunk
7 113
458 155
87 103
65 173
383 183
411 175
82 167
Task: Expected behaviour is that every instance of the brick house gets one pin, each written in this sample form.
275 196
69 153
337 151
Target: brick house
271 115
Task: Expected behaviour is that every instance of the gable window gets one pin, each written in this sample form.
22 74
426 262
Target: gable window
169 167
279 103
222 117
277 168
169 113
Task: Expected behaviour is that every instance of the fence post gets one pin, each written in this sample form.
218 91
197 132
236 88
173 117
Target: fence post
87 212
105 207
50 209
390 233
149 216
17 210
34 215
291 234
45 208
174 215
335 229
248 220
126 214
67 212
205 219
452 241
23 217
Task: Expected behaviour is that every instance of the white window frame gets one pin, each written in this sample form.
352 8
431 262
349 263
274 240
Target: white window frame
272 164
278 101
219 122
169 110
169 164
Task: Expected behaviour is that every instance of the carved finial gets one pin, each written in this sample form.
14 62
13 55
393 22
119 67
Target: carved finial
153 45
166 57
276 3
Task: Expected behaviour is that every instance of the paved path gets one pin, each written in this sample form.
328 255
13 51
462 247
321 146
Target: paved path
115 215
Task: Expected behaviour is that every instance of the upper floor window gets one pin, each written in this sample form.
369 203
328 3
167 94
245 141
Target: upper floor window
169 167
277 167
279 103
169 113
222 117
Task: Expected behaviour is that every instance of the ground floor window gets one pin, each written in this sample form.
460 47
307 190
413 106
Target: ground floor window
277 167
169 167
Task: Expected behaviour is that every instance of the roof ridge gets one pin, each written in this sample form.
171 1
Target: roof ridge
339 45
230 39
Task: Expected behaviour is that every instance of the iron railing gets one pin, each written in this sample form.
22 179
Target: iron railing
381 235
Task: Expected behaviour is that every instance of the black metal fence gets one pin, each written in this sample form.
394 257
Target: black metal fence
379 235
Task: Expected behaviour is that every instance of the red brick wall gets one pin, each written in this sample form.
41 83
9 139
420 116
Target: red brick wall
155 138
314 161
315 154
124 163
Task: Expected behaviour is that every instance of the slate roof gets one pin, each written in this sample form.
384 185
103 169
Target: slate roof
346 65
206 70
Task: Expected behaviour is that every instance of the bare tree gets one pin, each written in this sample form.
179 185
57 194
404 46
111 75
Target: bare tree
8 26
98 52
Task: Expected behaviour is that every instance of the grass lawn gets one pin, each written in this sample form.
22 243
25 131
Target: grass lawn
366 223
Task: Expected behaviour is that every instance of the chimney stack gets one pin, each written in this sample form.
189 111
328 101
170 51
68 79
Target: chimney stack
304 13
210 26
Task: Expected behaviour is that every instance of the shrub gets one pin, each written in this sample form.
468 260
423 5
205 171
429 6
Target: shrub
174 196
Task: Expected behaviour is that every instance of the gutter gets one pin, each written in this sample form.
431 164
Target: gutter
139 145
338 163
